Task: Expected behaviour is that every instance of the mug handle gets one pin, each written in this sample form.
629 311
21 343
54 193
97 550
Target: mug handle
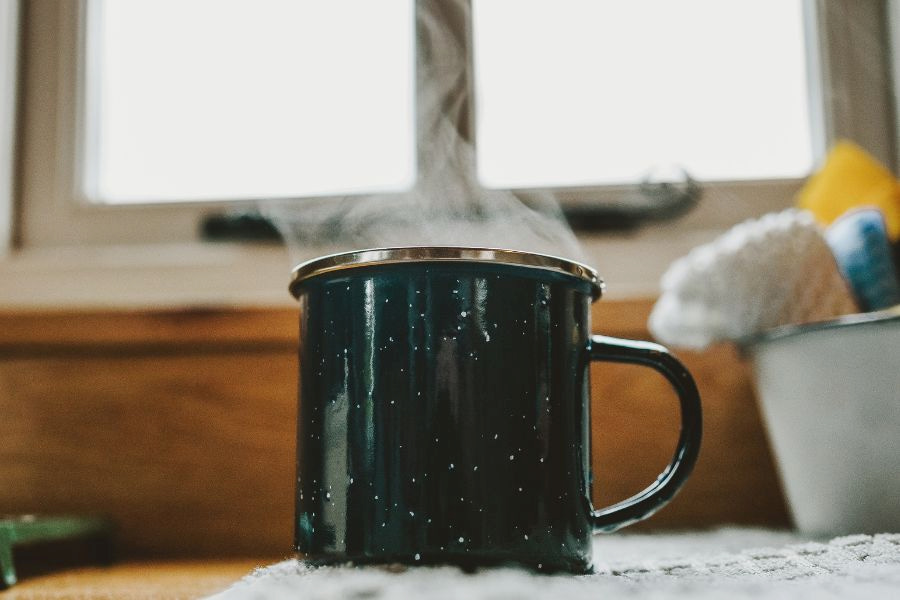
645 503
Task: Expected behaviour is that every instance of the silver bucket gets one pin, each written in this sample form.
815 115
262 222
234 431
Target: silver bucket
830 395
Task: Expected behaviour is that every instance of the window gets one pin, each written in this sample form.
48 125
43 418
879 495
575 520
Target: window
137 124
581 92
236 99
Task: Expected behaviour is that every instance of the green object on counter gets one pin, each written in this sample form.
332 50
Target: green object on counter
32 529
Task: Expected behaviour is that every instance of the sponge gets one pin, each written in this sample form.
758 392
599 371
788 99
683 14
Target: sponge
851 178
861 249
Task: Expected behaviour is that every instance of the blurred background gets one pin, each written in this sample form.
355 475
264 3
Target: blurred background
147 338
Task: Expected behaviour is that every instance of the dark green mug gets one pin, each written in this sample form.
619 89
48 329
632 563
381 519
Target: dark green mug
444 410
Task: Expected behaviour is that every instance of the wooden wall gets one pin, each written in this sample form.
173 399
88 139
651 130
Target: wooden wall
180 426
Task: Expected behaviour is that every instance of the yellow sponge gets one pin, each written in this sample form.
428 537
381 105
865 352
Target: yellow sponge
851 178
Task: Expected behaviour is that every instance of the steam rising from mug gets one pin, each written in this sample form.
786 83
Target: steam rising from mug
447 206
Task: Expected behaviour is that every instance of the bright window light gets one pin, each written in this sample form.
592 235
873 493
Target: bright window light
225 99
573 92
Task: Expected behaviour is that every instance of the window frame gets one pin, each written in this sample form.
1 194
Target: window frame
9 50
54 213
54 209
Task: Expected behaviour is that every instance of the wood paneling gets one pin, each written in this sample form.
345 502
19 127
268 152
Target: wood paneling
183 327
190 455
81 330
135 581
180 425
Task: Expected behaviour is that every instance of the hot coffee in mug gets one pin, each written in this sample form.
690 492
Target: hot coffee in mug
444 410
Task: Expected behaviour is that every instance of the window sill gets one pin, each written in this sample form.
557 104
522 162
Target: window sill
233 275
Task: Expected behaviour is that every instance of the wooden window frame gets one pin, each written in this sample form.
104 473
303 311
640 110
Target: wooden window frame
54 133
9 54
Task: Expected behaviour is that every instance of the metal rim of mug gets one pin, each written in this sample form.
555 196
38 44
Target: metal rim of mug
412 254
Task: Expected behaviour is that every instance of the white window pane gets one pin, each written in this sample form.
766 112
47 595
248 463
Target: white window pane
573 92
223 99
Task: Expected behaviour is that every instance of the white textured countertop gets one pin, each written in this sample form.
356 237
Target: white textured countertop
727 563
